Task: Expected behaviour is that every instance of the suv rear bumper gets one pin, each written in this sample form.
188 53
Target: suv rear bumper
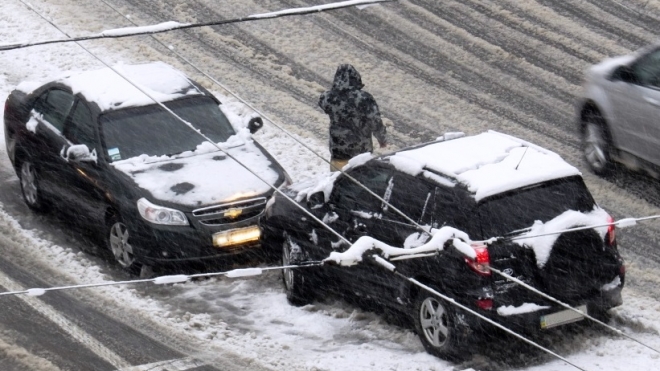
530 323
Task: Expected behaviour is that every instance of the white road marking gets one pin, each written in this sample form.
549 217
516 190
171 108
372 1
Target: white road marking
181 364
23 357
67 326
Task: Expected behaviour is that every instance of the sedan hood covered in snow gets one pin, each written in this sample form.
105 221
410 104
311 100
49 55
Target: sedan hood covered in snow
203 177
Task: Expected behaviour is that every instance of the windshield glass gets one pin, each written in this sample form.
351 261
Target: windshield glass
153 131
520 208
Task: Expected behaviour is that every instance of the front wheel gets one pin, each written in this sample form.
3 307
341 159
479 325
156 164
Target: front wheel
596 145
296 285
435 322
30 189
119 243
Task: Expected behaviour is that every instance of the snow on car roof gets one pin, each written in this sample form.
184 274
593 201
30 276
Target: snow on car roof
111 91
489 163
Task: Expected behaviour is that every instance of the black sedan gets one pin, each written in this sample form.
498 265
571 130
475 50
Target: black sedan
126 161
504 192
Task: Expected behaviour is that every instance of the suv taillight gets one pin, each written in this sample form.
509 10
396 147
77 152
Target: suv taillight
481 263
610 237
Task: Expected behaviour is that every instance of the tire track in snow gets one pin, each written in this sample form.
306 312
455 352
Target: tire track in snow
593 17
468 84
289 82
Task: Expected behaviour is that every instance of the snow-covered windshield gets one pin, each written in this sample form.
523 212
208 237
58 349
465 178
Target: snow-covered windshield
153 131
520 208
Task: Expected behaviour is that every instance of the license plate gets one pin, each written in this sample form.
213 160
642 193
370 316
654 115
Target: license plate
562 318
236 237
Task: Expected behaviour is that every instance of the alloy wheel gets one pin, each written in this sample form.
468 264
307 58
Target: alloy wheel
120 245
287 273
595 147
434 322
29 184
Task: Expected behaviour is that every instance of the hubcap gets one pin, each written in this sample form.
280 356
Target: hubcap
594 149
121 248
287 272
433 318
29 182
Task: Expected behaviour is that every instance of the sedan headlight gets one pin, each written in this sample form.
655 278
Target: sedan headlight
159 214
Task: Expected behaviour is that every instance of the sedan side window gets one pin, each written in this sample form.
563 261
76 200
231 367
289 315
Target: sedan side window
647 70
54 105
80 128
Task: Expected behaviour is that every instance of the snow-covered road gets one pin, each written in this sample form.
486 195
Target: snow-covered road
513 66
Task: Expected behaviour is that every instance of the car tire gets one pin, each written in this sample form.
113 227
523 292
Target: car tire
596 145
296 284
118 241
435 323
599 313
30 189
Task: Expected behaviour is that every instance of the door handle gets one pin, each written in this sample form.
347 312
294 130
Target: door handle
652 101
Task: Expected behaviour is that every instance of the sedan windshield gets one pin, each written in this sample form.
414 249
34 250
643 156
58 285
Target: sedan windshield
520 208
153 131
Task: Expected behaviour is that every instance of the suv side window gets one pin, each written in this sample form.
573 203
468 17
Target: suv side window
453 209
80 128
351 196
54 105
412 196
647 70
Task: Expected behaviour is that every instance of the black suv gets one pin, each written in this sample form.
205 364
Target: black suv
121 166
488 185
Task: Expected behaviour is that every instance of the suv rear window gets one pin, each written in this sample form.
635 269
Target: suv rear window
520 208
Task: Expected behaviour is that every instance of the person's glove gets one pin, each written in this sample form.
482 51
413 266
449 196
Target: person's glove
383 144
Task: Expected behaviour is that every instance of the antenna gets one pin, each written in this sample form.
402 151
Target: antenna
523 156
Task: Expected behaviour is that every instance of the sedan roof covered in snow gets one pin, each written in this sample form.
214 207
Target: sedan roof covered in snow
110 91
489 163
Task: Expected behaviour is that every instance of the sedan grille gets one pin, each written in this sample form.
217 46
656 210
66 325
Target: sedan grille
230 212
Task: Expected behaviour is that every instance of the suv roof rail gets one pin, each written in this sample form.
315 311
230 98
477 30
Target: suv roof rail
443 138
450 135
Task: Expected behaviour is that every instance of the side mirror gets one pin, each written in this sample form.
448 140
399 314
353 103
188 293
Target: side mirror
255 124
316 200
79 152
625 74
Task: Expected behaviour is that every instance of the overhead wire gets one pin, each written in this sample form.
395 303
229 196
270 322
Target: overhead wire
421 228
166 27
490 321
180 278
586 315
115 70
170 280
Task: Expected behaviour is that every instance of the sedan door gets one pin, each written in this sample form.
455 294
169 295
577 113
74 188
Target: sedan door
80 180
637 109
647 119
47 123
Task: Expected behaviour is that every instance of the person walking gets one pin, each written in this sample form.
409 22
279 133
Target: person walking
354 117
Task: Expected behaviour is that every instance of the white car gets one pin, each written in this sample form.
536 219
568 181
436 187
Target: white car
619 112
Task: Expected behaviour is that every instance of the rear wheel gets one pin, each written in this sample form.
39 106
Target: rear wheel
29 178
596 144
435 322
296 284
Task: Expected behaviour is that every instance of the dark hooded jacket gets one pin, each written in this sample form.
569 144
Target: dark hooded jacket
354 115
